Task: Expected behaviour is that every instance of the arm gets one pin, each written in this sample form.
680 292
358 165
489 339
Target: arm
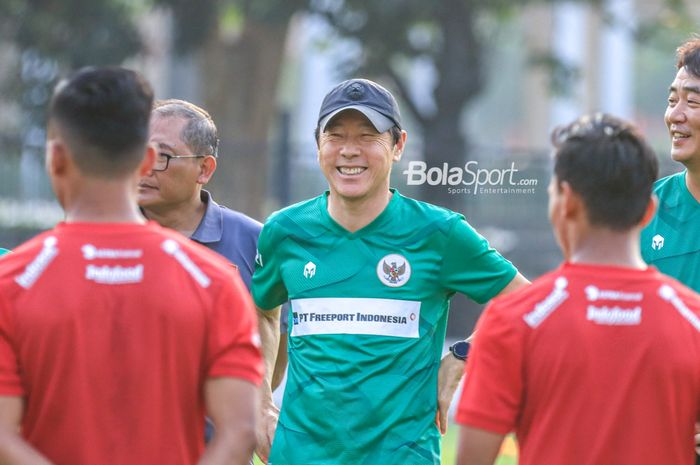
232 404
478 447
517 282
269 327
449 375
452 369
13 449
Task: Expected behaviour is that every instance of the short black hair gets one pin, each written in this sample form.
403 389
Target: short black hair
688 55
103 114
609 164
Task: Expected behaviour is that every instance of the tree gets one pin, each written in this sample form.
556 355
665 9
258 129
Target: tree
450 35
238 47
50 38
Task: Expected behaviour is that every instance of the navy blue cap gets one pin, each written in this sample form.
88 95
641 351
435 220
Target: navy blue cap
365 96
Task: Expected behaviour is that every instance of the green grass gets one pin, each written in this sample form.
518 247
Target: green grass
449 450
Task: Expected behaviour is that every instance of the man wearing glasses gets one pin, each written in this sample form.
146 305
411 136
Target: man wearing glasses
173 193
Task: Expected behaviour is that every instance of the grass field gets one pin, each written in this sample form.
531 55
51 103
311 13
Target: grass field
449 449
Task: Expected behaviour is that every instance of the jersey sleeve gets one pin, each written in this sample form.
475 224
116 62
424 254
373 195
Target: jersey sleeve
493 387
233 348
10 381
471 266
268 289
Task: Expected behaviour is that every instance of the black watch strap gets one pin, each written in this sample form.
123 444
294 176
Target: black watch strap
460 350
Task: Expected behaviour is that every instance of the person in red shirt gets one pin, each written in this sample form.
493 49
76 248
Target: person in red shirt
597 362
117 335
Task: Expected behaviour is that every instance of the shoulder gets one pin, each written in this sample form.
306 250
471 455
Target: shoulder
527 297
686 294
429 211
302 219
14 262
173 244
669 184
241 221
426 218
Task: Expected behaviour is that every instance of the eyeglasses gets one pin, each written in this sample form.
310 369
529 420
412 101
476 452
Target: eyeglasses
163 160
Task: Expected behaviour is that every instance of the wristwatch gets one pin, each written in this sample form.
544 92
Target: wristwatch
460 349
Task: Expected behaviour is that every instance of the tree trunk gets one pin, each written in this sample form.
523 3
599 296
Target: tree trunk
240 91
459 68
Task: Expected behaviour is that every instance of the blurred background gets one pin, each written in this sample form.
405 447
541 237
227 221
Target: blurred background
480 81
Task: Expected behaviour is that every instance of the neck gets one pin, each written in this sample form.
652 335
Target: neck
607 247
183 218
103 201
355 214
692 182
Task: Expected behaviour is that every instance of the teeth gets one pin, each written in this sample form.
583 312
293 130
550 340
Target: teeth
679 135
351 171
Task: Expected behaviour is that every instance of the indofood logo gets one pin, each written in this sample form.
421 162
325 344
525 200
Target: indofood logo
470 179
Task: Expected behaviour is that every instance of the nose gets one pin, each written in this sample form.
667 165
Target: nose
350 148
676 114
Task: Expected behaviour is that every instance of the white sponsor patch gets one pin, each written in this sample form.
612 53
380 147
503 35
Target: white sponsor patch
172 248
90 252
34 270
543 309
114 274
614 316
379 317
594 293
669 294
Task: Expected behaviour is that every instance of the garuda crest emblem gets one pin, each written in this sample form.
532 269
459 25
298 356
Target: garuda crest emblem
394 270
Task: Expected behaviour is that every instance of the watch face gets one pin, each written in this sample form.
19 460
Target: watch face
461 349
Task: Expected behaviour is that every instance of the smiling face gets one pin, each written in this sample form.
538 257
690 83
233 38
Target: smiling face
682 118
355 159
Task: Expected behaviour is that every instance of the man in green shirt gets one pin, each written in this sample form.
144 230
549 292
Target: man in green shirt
670 242
369 274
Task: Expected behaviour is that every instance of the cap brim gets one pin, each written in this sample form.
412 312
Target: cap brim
380 122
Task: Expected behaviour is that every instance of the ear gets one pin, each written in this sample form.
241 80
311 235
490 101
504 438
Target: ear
57 158
399 147
206 169
571 203
650 211
149 159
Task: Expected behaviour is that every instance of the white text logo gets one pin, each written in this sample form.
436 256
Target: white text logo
469 179
114 274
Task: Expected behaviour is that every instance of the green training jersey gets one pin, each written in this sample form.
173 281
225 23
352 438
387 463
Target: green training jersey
670 242
367 326
3 251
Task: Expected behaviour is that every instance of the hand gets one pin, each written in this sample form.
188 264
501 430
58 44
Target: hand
449 375
266 430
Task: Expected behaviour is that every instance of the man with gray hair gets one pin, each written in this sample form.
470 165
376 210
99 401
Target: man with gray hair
173 193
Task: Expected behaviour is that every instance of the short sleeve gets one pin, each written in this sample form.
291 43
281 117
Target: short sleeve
268 289
493 386
233 347
471 266
10 381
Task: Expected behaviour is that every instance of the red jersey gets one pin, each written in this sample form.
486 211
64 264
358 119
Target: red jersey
109 331
590 365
